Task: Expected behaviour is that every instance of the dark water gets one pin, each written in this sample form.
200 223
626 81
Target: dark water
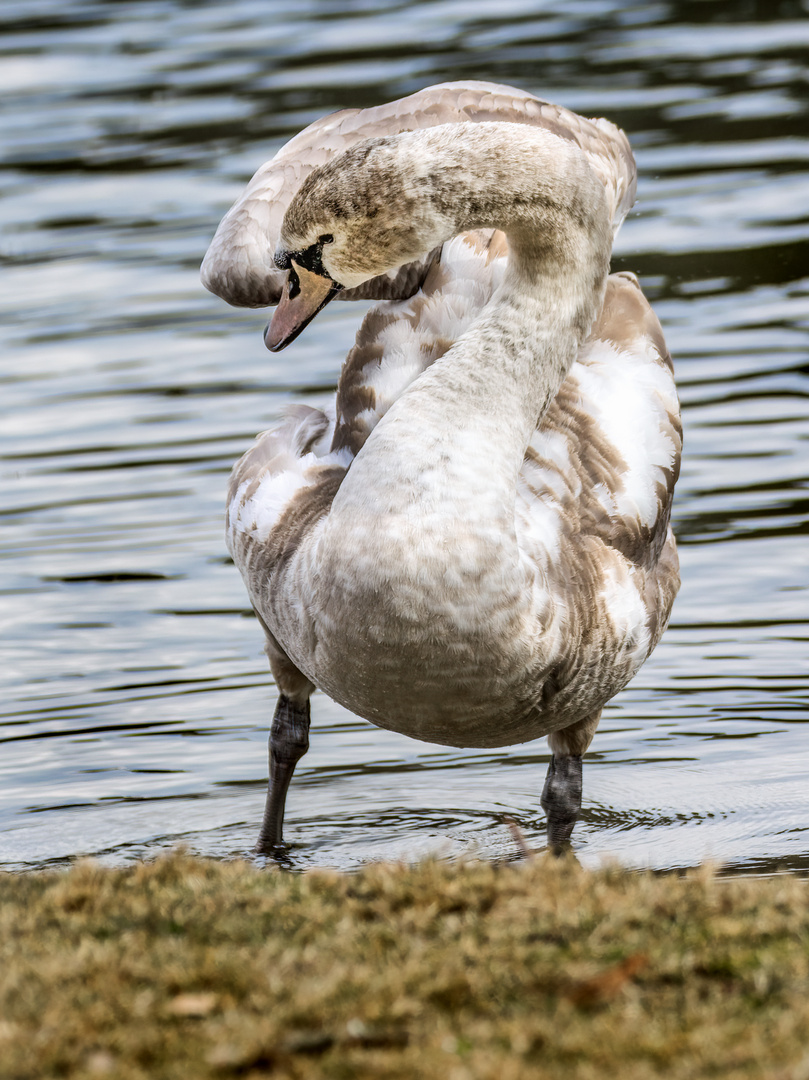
135 696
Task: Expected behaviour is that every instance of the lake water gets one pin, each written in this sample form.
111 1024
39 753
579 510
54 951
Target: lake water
135 695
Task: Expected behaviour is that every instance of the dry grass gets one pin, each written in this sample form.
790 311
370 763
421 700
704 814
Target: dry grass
192 969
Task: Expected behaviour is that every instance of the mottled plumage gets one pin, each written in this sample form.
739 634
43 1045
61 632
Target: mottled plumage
475 548
239 263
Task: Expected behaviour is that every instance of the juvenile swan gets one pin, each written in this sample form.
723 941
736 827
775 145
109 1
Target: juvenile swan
474 549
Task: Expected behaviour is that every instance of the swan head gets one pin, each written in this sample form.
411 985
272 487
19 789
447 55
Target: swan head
362 214
388 201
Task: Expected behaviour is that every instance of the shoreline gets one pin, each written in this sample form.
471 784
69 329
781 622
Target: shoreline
188 967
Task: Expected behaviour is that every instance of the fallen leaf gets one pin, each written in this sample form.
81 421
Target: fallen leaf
607 984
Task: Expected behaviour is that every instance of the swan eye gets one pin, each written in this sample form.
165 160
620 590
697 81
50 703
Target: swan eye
326 238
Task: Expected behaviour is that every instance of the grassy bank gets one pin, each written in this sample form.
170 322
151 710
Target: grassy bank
193 969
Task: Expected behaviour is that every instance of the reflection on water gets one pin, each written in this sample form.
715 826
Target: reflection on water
135 696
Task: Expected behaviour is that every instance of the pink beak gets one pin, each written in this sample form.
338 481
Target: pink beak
304 295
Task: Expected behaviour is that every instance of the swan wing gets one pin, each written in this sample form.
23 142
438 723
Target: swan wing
595 493
239 263
278 490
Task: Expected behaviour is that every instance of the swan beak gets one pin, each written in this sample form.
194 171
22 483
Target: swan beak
304 295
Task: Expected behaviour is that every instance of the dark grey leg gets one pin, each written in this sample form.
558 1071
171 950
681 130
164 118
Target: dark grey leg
561 796
289 741
561 799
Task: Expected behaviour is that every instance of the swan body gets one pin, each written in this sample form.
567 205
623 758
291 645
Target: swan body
474 549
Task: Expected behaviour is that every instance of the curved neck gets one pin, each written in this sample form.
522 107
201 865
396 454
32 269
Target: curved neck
541 191
537 187
442 465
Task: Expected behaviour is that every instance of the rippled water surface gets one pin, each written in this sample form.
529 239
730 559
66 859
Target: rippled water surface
135 696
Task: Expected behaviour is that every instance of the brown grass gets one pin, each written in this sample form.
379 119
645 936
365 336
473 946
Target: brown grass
191 969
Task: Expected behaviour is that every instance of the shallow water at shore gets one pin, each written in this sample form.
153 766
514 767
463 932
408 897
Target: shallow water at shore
135 695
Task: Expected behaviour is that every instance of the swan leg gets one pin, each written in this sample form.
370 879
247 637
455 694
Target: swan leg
561 798
561 795
289 741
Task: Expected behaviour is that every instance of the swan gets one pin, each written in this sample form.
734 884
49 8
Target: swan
473 548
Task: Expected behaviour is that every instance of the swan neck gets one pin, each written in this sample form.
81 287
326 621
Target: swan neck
541 191
538 188
430 498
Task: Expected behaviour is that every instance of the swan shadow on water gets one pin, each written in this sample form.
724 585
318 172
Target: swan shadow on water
473 547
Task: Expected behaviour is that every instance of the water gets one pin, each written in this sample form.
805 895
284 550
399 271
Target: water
135 696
